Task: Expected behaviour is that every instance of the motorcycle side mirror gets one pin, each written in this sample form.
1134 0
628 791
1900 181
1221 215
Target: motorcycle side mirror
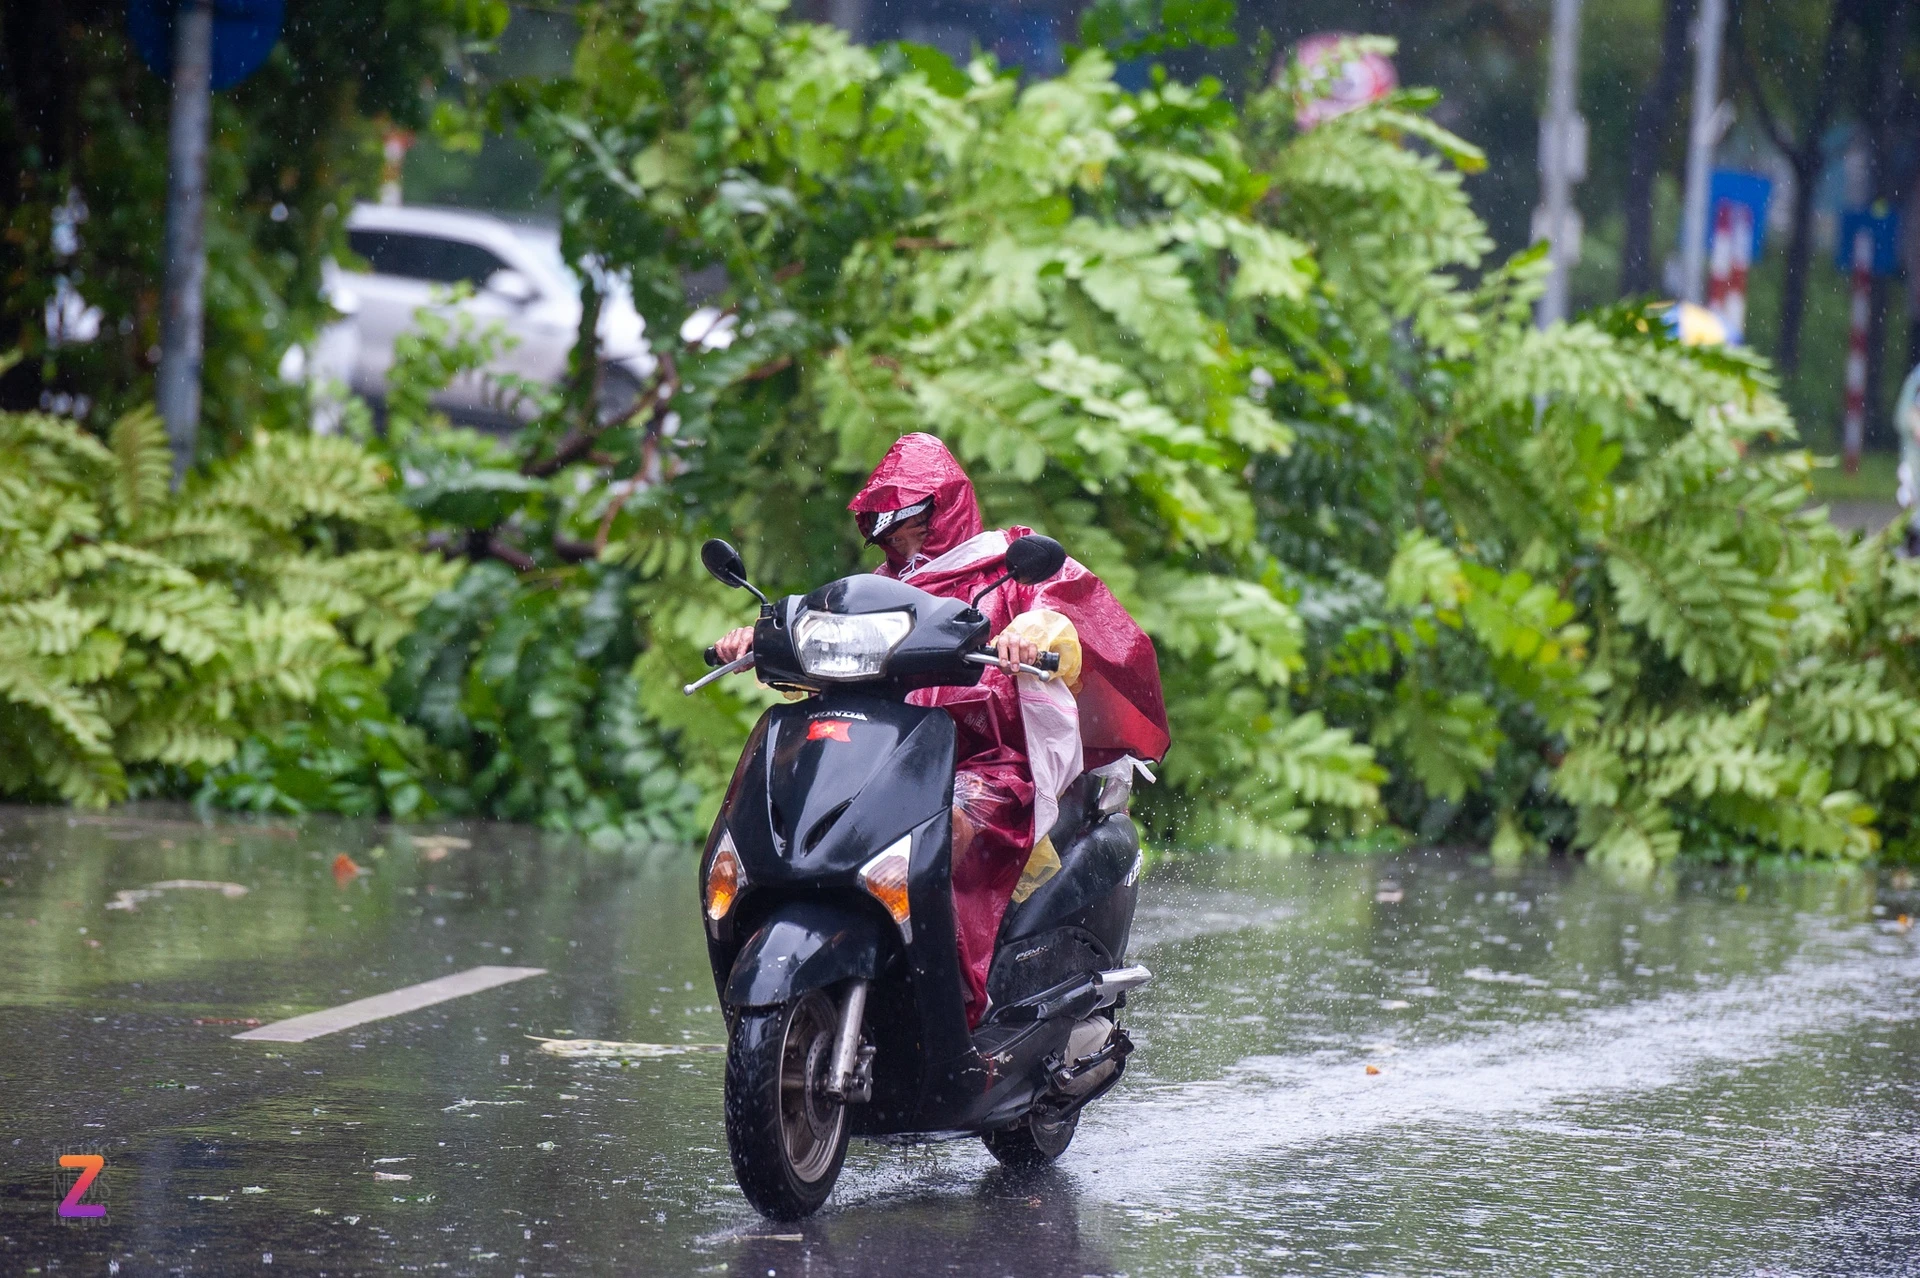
1032 559
724 562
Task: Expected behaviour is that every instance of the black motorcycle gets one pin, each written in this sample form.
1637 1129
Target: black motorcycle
829 908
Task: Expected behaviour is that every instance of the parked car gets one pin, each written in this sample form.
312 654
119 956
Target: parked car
415 254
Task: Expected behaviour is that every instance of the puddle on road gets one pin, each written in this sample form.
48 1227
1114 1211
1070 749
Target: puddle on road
1403 1064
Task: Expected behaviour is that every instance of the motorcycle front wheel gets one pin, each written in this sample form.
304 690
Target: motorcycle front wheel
786 1136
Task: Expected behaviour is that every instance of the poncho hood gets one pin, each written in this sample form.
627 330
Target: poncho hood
919 466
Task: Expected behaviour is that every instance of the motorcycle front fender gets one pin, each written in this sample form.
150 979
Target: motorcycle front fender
805 945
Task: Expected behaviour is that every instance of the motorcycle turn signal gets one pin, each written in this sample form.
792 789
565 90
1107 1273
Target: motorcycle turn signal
885 879
725 877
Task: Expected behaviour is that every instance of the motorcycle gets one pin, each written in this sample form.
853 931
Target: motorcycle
827 899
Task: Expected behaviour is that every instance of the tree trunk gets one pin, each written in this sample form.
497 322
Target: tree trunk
37 120
1651 118
1807 160
1888 186
1793 292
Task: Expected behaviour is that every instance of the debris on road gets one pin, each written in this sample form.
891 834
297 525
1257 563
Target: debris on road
434 847
346 870
130 898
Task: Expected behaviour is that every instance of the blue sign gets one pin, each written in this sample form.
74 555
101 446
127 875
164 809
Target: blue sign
1885 230
244 33
1733 186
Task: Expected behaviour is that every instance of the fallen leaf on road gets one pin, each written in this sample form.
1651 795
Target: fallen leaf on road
601 1048
130 898
1373 1069
344 870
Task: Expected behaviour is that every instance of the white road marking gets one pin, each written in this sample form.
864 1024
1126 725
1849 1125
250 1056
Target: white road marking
298 1029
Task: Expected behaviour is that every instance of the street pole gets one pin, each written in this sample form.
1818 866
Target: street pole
1708 123
182 307
1557 161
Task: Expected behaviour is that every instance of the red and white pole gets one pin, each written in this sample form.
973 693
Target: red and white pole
1731 256
1736 312
1853 427
1720 259
393 159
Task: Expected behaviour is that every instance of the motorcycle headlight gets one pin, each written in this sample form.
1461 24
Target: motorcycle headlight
833 645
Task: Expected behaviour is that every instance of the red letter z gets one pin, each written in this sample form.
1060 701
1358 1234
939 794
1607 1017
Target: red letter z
71 1204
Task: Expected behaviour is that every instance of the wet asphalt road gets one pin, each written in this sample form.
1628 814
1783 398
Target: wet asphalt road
1410 1064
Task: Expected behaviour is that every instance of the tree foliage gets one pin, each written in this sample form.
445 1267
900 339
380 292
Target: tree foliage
1414 568
83 179
1408 561
140 630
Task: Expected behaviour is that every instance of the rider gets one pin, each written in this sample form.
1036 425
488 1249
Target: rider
1020 742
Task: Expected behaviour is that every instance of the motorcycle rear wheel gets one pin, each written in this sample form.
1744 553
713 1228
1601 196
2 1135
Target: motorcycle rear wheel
786 1136
1031 1142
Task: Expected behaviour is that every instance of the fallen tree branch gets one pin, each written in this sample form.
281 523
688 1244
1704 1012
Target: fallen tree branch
578 442
487 544
767 369
574 552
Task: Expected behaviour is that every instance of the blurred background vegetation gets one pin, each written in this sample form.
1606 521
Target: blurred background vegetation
1487 59
1415 570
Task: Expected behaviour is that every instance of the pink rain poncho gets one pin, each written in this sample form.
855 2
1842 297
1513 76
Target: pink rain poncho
1020 742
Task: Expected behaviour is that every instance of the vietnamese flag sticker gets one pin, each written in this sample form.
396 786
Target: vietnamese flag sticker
829 730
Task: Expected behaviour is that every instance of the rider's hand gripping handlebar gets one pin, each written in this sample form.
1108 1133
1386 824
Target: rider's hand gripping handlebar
1048 663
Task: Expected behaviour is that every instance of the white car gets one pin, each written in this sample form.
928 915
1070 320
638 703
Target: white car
416 254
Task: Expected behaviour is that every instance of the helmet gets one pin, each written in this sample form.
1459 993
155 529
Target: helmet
875 524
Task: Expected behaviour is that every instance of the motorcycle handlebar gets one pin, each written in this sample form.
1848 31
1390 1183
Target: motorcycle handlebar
1047 665
1043 671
